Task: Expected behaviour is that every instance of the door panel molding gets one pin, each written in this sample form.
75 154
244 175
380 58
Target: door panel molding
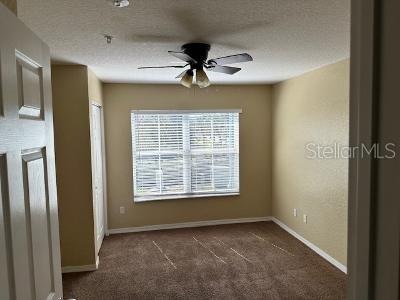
29 83
38 225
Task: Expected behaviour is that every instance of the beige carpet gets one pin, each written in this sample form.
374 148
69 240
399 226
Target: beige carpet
241 261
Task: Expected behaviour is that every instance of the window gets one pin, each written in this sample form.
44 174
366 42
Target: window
179 154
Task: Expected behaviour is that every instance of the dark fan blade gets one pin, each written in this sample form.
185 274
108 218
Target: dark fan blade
183 56
231 59
182 74
224 69
163 67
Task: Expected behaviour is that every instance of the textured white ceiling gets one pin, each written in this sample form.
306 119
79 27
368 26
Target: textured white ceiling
285 37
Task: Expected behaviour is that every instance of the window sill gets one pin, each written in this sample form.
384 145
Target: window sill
174 197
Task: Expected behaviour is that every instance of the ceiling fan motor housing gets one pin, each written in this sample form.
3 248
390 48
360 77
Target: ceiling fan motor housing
199 52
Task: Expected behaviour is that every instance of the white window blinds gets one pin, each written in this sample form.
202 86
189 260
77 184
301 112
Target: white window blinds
183 154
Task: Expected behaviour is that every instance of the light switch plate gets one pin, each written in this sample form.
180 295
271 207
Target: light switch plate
295 212
122 210
305 219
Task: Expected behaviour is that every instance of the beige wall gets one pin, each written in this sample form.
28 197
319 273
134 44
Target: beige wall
255 152
11 4
314 108
73 162
95 88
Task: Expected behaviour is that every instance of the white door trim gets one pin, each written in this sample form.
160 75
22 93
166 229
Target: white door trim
83 268
104 171
103 145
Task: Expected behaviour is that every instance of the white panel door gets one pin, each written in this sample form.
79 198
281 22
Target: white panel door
97 144
29 240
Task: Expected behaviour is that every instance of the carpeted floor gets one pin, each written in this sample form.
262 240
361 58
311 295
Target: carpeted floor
241 261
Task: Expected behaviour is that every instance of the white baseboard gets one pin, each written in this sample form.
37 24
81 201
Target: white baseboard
322 253
187 225
84 268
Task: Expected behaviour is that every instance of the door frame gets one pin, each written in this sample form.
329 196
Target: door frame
362 102
374 230
104 171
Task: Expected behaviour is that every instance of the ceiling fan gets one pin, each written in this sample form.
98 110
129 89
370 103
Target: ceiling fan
195 55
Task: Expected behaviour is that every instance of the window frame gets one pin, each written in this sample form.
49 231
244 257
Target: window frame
138 199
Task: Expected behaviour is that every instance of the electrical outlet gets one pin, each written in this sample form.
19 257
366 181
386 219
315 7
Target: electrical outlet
295 212
122 210
305 219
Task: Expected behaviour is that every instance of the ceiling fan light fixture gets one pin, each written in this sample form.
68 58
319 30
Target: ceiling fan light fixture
195 55
187 79
202 79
